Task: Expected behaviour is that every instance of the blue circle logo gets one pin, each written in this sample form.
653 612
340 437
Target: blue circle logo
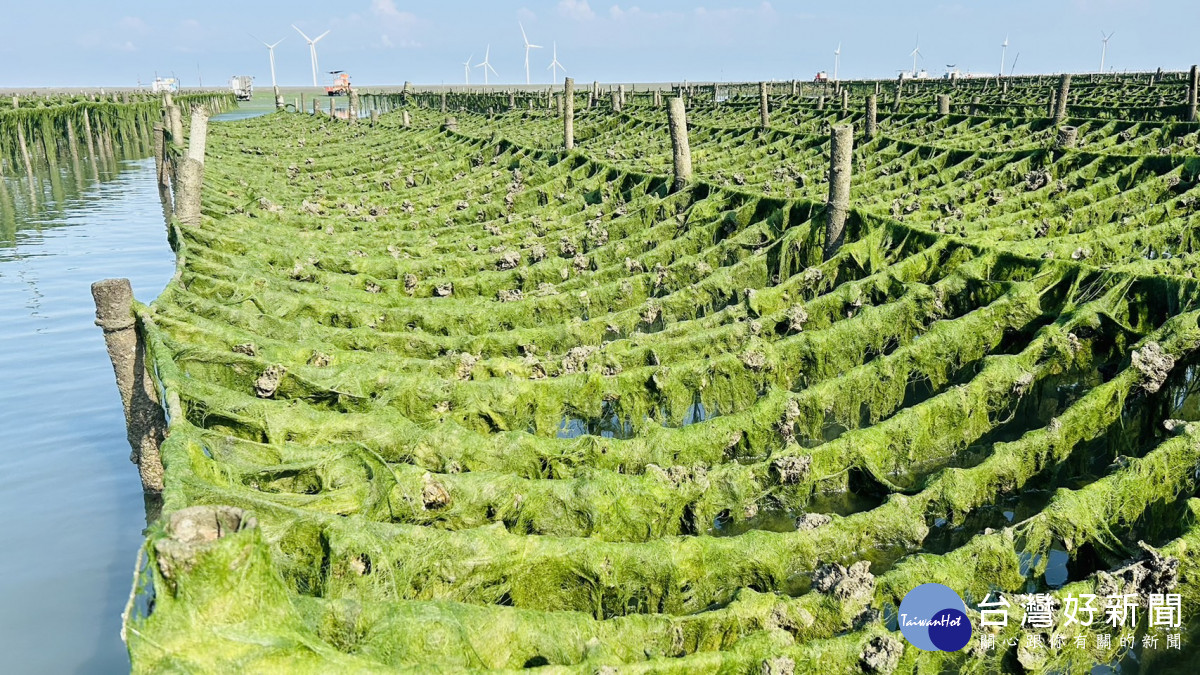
933 618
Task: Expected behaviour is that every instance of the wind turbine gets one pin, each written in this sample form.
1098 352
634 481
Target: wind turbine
271 51
528 46
837 53
915 53
555 65
487 66
1104 47
467 68
312 49
1003 52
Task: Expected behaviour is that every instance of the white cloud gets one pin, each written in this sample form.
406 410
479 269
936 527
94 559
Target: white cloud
636 13
526 14
576 9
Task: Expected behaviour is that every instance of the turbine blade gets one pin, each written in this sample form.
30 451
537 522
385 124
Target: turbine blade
523 38
320 36
301 33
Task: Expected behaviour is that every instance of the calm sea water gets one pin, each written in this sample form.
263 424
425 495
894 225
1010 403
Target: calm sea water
71 500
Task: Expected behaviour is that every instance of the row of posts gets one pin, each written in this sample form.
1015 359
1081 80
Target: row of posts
145 421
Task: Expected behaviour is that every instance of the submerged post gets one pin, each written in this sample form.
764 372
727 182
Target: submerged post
145 424
841 142
764 112
680 150
1193 85
191 172
871 127
569 113
1064 89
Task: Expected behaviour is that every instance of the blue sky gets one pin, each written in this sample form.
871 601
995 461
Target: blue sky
50 43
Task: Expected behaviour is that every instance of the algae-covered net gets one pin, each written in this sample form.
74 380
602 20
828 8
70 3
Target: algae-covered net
468 401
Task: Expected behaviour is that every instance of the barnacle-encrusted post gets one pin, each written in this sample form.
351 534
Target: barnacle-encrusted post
1193 86
145 424
1064 89
191 171
872 124
943 103
569 113
1066 137
841 141
764 112
616 101
681 152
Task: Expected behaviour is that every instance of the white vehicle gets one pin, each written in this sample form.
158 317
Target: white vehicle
162 84
242 86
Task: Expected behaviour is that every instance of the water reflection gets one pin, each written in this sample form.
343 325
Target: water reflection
73 500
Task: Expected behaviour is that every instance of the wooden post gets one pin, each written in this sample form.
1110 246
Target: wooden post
1064 89
616 101
841 140
407 122
191 172
145 424
374 118
845 99
175 119
1193 87
1066 137
764 112
316 107
569 113
657 98
443 102
943 103
278 99
680 150
352 112
621 94
821 102
25 154
872 126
